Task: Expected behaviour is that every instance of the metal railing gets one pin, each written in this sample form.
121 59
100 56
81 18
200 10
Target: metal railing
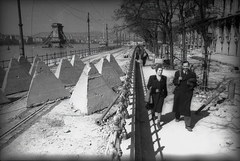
50 59
119 132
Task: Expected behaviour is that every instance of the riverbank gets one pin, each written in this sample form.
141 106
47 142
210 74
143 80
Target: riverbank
34 50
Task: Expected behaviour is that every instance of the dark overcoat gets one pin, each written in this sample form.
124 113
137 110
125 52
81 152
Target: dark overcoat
158 98
184 92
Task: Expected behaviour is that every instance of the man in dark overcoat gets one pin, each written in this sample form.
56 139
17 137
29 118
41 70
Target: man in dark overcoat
185 81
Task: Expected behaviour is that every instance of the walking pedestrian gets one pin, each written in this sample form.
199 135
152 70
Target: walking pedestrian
158 85
185 82
144 57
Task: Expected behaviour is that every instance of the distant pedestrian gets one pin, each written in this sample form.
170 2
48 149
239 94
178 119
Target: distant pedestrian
158 84
185 82
144 57
137 51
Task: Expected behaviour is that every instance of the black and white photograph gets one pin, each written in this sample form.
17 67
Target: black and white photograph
120 80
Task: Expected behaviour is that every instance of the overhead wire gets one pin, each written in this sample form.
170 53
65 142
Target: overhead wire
72 12
99 13
73 7
82 12
44 11
63 4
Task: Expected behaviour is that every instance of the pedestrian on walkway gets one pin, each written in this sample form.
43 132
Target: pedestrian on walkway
158 84
185 82
144 57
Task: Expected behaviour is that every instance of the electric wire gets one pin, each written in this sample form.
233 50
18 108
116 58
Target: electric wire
73 7
81 11
44 12
98 12
72 12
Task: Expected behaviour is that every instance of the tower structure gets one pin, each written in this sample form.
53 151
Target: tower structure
56 39
57 35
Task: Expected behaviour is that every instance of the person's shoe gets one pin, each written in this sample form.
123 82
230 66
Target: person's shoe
159 124
189 129
177 120
153 117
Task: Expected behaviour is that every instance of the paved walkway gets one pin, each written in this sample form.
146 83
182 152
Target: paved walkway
174 142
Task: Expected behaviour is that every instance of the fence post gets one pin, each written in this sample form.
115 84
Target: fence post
47 58
231 90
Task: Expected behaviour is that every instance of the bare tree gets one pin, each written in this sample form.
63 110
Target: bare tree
203 15
137 18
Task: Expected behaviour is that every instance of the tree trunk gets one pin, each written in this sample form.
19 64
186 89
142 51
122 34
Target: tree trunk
205 67
184 55
164 41
171 45
171 53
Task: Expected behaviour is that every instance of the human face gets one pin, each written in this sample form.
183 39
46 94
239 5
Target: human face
159 71
185 66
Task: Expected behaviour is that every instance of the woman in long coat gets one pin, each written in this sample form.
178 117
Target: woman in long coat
158 85
185 81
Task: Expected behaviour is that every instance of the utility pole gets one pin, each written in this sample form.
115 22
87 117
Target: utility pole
20 29
107 35
88 21
120 38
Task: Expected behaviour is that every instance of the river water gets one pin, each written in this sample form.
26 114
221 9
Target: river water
32 50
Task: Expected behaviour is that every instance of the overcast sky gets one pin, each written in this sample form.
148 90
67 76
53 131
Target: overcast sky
38 15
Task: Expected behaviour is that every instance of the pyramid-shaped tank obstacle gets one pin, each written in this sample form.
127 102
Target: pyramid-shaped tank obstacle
16 79
108 73
45 86
2 75
3 98
24 63
33 67
111 59
66 73
91 92
78 64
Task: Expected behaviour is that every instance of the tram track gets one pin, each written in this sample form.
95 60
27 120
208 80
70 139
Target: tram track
24 119
28 117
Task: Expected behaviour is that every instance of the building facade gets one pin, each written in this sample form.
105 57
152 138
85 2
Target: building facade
224 29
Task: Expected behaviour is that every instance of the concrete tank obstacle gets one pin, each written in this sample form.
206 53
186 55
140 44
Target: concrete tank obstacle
3 98
66 73
2 75
108 73
91 92
45 86
78 64
16 79
115 65
33 67
24 62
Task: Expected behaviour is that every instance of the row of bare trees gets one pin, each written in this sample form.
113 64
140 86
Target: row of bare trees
155 20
